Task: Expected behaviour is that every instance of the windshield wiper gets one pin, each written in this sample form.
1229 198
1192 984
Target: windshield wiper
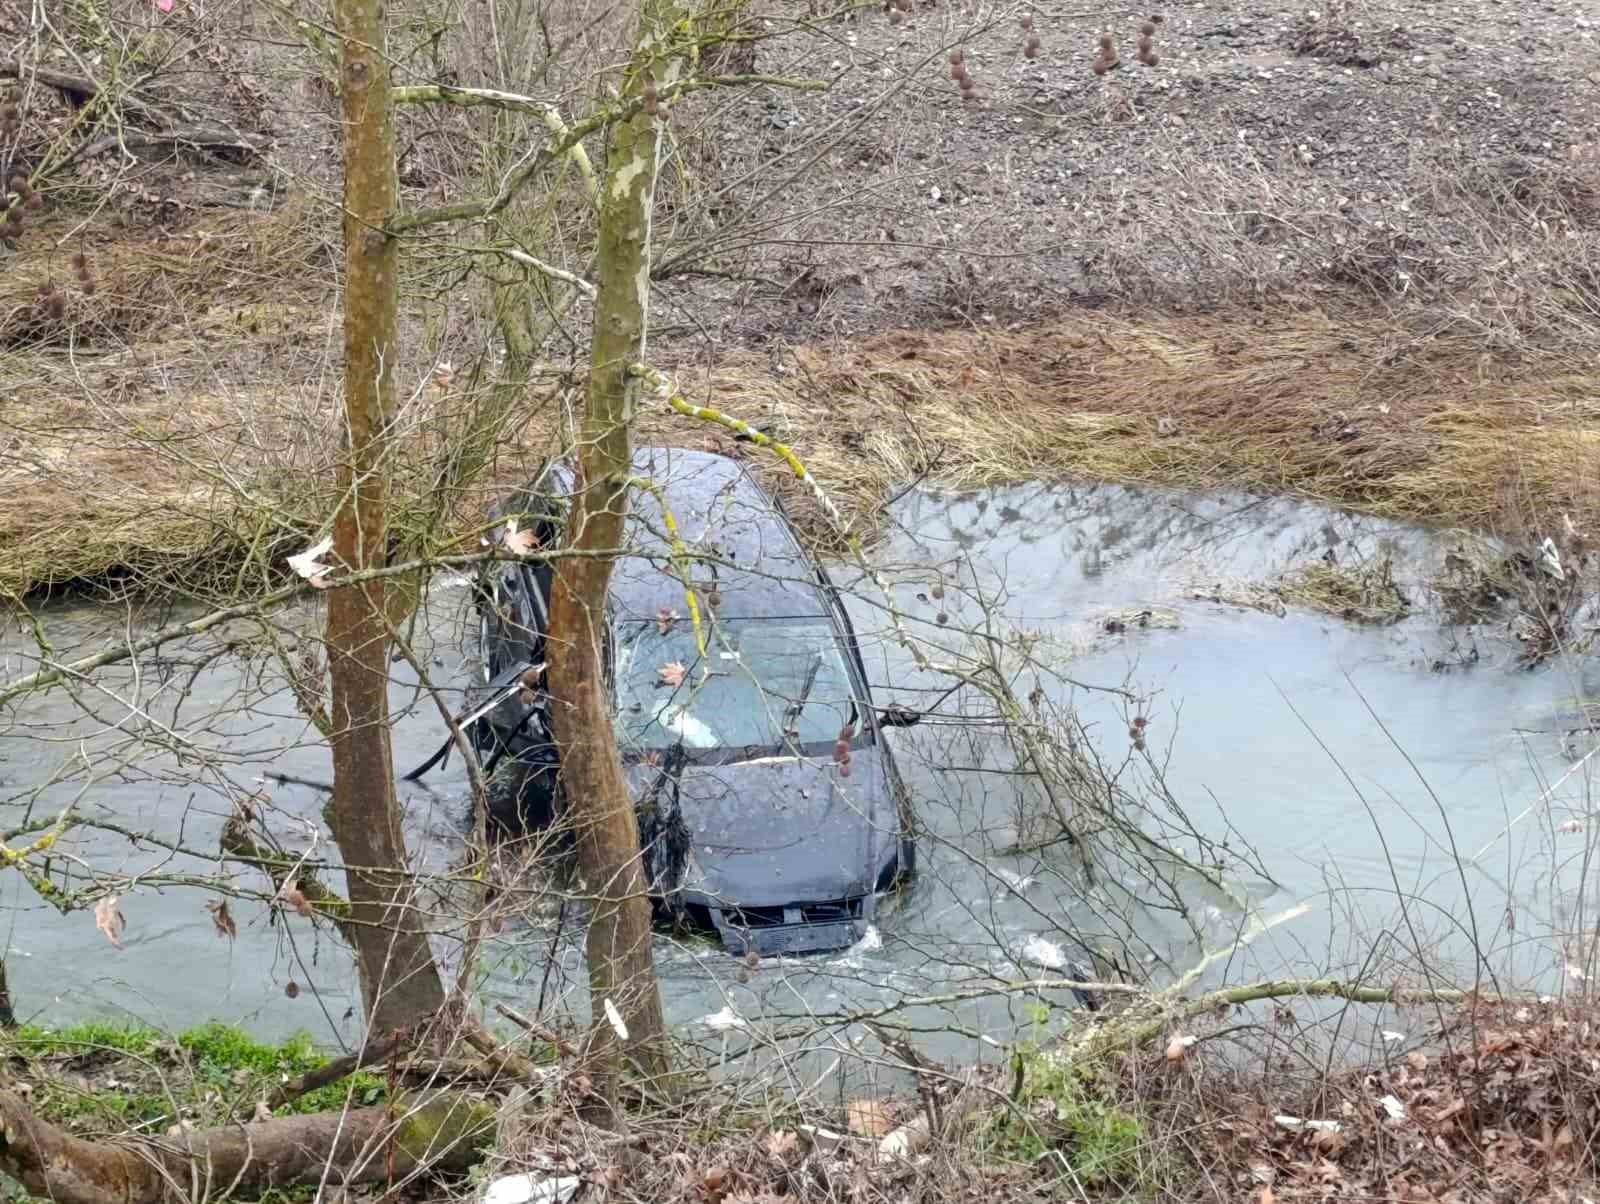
791 713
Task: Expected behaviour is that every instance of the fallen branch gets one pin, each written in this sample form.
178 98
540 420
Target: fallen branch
331 1072
245 610
198 137
363 1145
542 1031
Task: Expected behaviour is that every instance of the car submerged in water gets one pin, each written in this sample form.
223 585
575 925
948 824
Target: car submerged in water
769 805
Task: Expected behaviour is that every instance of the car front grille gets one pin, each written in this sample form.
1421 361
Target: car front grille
796 928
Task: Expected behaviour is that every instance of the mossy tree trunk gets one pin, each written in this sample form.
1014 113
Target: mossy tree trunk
382 1144
400 982
621 969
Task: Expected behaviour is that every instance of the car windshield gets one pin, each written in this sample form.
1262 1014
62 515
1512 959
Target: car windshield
773 683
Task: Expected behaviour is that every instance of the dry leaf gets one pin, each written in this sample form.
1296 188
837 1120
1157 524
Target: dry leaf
262 1111
716 1182
1417 1060
1178 1048
1267 1196
841 749
672 674
665 619
868 1118
109 920
222 919
519 543
782 1142
292 897
1571 825
443 373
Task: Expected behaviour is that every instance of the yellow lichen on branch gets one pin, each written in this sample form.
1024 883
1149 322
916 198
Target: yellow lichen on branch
675 400
680 562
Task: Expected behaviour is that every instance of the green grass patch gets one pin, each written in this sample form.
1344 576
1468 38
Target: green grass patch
99 1077
1063 1110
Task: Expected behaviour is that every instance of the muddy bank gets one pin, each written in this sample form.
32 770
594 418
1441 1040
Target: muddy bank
1349 408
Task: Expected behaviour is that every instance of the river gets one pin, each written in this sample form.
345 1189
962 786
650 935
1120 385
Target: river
1377 774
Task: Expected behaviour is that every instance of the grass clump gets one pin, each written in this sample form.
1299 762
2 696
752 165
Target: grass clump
1363 593
1061 1109
104 1078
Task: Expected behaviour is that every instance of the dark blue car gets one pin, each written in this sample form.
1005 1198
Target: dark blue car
769 805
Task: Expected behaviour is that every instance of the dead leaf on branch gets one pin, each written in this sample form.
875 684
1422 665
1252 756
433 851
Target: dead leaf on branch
109 920
517 542
292 897
672 674
222 918
665 619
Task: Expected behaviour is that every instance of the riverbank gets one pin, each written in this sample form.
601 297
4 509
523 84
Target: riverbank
1454 1104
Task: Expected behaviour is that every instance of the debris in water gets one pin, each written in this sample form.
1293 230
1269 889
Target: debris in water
724 1021
1044 953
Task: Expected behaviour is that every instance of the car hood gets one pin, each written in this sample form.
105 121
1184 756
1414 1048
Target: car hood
783 830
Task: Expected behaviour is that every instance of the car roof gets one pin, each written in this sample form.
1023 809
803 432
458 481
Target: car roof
721 513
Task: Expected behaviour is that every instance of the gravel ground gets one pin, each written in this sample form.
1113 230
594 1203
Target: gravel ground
1402 149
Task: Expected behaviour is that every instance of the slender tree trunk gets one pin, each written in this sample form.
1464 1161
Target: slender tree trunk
400 983
621 969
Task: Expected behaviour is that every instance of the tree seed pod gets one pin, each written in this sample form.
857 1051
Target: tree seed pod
57 306
79 261
34 201
1032 41
1105 42
1100 66
968 83
1030 51
958 72
1027 21
956 56
1147 29
88 288
19 185
1144 46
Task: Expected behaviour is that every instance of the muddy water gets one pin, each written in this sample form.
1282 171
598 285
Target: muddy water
1362 765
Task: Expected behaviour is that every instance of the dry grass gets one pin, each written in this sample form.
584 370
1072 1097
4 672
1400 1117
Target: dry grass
1364 593
1349 409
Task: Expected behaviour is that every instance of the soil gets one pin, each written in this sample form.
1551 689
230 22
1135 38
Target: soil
1313 149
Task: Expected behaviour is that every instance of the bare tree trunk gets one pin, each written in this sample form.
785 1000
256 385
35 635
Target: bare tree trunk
621 969
400 983
363 1145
